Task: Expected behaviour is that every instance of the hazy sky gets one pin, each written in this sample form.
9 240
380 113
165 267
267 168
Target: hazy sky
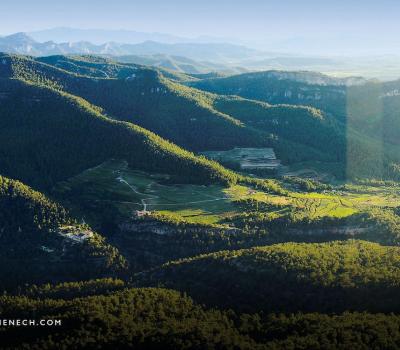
250 20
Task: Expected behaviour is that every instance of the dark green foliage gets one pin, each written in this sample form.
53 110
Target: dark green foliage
34 245
201 121
361 130
154 240
22 209
387 223
71 290
146 98
327 277
138 319
163 319
281 88
48 136
375 225
313 132
62 115
307 185
394 171
190 118
316 331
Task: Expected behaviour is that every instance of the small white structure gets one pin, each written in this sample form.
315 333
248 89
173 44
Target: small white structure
141 213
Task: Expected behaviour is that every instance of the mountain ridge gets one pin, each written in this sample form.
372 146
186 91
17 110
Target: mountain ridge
140 95
22 43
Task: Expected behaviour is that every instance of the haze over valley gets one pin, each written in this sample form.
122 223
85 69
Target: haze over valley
195 55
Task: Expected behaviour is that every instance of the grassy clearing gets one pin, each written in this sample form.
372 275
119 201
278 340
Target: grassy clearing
239 192
129 190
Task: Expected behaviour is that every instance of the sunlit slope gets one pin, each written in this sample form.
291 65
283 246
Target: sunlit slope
48 136
330 277
189 117
102 67
145 97
202 121
173 67
277 87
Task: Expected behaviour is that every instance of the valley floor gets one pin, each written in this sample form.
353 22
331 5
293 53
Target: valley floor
130 191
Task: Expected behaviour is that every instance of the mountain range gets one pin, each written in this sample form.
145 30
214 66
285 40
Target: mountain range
198 56
99 36
22 43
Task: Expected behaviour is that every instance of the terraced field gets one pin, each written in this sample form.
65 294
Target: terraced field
345 203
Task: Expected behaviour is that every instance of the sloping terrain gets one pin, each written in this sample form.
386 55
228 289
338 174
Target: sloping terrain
362 104
192 119
41 243
164 319
276 87
143 96
364 112
179 64
48 136
329 277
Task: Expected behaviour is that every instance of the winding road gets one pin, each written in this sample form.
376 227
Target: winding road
145 204
142 200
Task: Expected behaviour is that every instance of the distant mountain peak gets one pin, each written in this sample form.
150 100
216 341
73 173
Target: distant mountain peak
18 37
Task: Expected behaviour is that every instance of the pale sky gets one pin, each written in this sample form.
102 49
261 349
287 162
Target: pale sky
257 21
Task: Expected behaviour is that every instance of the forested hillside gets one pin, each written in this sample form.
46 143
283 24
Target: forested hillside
146 98
48 136
297 88
164 319
366 130
306 128
364 105
40 242
192 119
327 277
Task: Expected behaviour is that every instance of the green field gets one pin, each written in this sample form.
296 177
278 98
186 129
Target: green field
130 190
115 185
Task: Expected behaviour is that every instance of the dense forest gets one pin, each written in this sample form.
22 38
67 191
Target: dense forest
325 277
141 97
202 121
164 319
365 114
41 243
43 130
